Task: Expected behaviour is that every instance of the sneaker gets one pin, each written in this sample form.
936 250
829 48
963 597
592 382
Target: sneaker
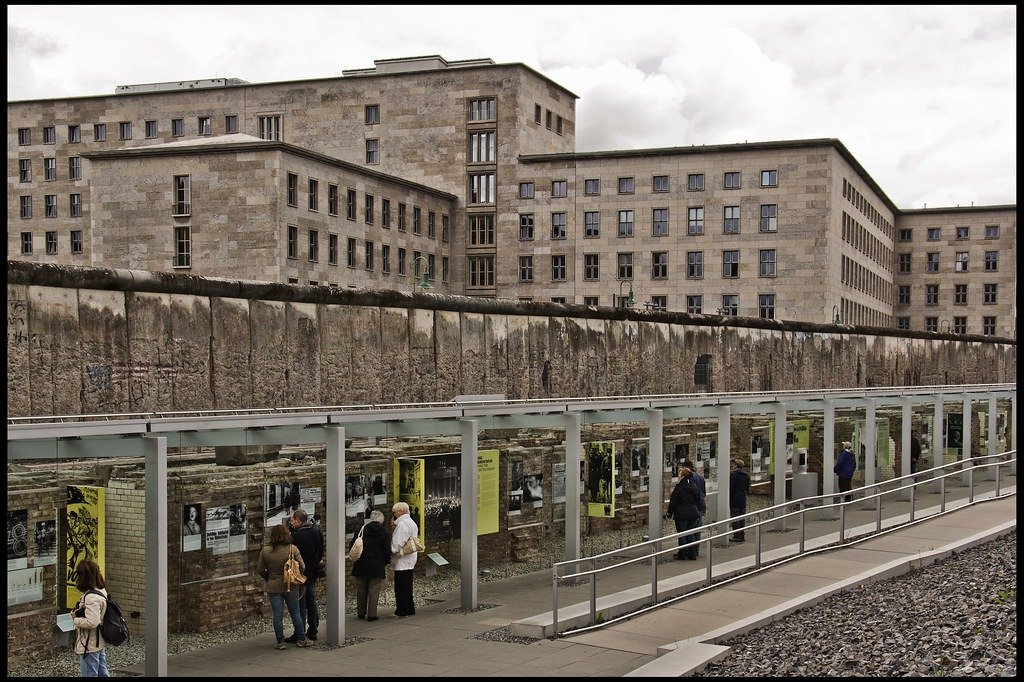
280 645
303 643
372 618
310 637
291 640
361 617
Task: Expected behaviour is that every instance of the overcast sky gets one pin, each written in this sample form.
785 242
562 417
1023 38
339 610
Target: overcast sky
923 96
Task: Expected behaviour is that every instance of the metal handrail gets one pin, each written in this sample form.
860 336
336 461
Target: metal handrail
925 477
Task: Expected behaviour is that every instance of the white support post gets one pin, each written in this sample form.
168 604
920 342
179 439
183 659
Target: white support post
724 469
156 556
470 504
335 540
828 456
1013 432
907 417
966 451
572 485
993 425
779 468
938 437
869 439
655 470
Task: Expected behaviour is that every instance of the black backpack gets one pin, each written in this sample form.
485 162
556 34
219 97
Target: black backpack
113 626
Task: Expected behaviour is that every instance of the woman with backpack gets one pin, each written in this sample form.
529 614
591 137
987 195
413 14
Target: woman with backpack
87 616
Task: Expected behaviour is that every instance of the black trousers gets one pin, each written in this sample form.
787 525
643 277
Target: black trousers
738 525
845 484
403 593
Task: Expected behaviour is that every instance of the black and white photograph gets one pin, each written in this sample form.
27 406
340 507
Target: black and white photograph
558 482
218 529
281 500
236 533
638 454
46 543
378 488
24 586
620 473
17 539
191 530
515 488
443 503
533 489
680 452
356 503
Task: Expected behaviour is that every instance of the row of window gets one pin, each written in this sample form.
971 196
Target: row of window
50 238
50 169
547 119
659 183
961 261
860 238
50 205
865 207
858 277
958 325
767 259
934 234
204 126
990 294
369 254
369 208
659 222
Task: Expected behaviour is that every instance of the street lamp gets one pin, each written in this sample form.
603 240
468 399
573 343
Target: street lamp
836 319
629 299
425 281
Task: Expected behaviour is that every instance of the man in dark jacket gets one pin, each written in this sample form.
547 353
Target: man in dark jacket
683 508
697 480
844 468
739 488
310 542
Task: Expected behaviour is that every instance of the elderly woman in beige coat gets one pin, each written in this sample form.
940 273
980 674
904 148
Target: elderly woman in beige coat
270 565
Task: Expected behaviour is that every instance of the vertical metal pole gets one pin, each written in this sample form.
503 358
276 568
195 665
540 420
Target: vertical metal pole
335 540
828 454
970 485
724 470
470 504
878 512
156 556
938 435
757 545
572 486
942 494
870 442
907 418
913 500
1013 433
965 444
709 562
655 484
992 443
593 591
842 522
803 515
779 468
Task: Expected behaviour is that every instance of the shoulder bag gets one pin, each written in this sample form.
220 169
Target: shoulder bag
411 545
357 547
292 573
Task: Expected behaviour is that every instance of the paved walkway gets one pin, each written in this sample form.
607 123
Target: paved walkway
684 633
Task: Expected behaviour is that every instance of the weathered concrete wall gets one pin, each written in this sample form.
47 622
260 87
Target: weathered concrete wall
87 340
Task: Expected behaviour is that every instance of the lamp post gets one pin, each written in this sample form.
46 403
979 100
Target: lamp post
629 299
425 281
836 319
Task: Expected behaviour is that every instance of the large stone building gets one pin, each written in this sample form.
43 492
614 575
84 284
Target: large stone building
467 171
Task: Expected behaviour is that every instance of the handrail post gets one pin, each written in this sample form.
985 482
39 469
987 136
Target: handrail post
803 515
913 499
878 510
998 467
710 562
842 522
654 570
554 601
970 485
593 591
757 546
942 493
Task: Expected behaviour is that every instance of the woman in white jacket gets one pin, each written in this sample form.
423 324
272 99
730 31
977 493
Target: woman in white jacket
403 529
87 616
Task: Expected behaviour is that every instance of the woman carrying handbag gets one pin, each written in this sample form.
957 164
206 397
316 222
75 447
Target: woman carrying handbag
271 566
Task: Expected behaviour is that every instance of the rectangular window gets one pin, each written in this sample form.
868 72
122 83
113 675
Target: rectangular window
695 304
51 242
903 294
350 252
445 271
51 205
385 213
203 125
591 301
592 224
558 188
314 195
182 195
525 226
558 230
293 241
292 189
959 325
526 268
401 261
991 261
417 227
625 264
931 324
75 168
960 294
373 152
767 263
592 186
371 114
988 326
482 147
368 202
558 125
769 217
963 232
24 170
659 183
445 228
591 267
730 264
124 129
931 294
769 178
991 232
314 246
659 302
50 134
558 268
695 220
481 230
536 114
182 247
25 206
269 127
76 205
932 262
332 249
903 323
934 234
695 182
74 134
660 222
76 241
961 261
659 265
332 199
26 243
49 169
481 188
483 109
626 223
231 124
766 306
24 136
547 119
401 217
904 263
350 204
732 220
626 185
150 129
385 259
694 264
906 235
991 293
99 132
177 127
730 304
368 255
481 271
558 299
525 190
431 225
732 180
